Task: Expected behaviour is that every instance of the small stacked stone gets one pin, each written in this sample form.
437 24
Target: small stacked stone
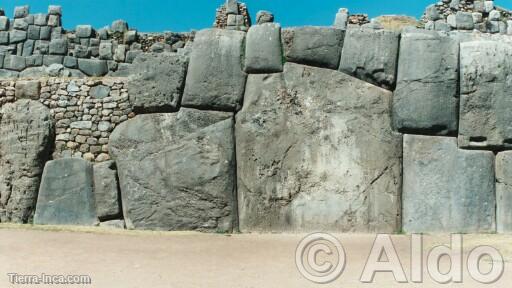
233 15
358 19
7 92
481 15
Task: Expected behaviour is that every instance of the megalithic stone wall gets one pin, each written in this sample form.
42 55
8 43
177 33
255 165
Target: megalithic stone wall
260 128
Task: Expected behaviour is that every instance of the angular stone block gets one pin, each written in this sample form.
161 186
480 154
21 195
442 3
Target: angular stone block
99 92
263 51
33 32
464 21
17 36
446 189
106 52
40 19
425 100
20 24
119 26
106 191
314 46
4 23
16 63
66 194
371 55
59 47
485 104
28 89
70 62
83 31
264 17
215 79
26 136
93 67
157 83
49 60
176 171
55 10
4 38
21 11
504 192
316 151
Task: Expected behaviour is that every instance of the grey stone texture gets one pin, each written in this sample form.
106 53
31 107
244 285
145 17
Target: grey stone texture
93 67
215 79
485 104
315 46
177 170
26 134
264 17
106 192
426 96
504 192
371 55
157 82
28 89
303 167
66 194
446 189
263 51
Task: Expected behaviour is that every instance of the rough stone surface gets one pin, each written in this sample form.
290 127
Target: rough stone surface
158 82
300 156
485 104
28 89
263 51
93 67
371 55
106 191
446 189
176 170
66 194
215 79
425 100
26 132
315 46
504 192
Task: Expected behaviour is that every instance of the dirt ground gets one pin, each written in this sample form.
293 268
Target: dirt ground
132 259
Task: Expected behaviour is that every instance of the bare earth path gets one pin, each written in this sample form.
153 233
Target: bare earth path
130 259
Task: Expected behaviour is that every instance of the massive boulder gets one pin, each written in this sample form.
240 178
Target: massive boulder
26 136
426 97
177 171
66 194
446 189
371 55
315 151
263 51
314 46
215 79
485 104
106 192
157 82
504 192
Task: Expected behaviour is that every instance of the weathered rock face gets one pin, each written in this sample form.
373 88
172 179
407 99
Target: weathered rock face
315 46
26 135
215 79
315 151
371 55
158 82
446 189
263 52
425 100
177 171
504 192
106 190
66 194
485 102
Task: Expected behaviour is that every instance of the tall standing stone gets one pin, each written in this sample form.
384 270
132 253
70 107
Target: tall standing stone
215 79
426 96
371 55
26 135
316 151
504 192
263 51
106 192
485 104
446 189
177 170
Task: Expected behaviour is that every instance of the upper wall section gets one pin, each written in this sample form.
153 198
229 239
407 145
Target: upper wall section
31 41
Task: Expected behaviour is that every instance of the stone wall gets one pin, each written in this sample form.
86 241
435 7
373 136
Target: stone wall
347 129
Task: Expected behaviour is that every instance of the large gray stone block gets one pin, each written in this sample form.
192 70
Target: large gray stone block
371 55
316 151
26 136
66 194
93 67
17 36
446 189
315 46
177 170
263 51
504 192
106 192
485 104
215 79
426 97
28 89
59 47
157 82
13 62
